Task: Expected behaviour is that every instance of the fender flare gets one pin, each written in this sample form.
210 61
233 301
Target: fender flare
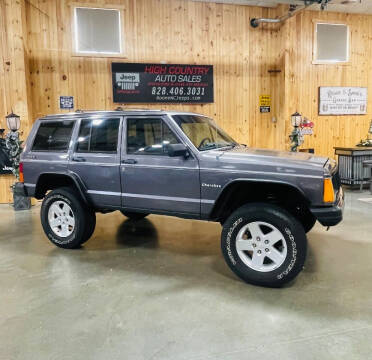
75 179
225 189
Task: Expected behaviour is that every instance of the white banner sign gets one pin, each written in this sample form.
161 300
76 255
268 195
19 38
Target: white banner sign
342 100
307 131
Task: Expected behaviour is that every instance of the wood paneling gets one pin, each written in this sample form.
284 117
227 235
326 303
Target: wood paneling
157 31
180 31
304 78
14 90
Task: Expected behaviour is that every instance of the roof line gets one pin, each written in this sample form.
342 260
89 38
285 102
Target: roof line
121 112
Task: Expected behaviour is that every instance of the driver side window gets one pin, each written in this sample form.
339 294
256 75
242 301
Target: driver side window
149 136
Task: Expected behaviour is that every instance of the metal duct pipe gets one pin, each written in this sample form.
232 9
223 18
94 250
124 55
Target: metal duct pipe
293 10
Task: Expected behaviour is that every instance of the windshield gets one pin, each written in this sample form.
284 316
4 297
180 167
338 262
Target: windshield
203 132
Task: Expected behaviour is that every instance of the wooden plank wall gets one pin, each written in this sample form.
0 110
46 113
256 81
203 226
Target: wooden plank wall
14 89
182 31
175 31
303 78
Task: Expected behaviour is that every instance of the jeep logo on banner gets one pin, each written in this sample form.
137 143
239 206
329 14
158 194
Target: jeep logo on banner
162 83
127 81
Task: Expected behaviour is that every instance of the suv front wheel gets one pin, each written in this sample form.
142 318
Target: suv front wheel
264 245
65 220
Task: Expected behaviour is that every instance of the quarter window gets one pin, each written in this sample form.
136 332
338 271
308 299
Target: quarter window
53 136
149 136
98 135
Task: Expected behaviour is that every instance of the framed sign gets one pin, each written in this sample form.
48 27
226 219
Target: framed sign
66 102
342 100
265 103
162 83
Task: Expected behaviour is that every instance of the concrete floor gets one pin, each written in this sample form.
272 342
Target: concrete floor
160 290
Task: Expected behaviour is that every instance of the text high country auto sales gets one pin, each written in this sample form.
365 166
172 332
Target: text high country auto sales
177 73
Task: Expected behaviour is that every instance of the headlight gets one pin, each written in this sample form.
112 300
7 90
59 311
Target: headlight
329 166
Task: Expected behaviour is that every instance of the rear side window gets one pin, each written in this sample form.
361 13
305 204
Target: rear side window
53 136
98 135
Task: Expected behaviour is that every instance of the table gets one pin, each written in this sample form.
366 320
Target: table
350 161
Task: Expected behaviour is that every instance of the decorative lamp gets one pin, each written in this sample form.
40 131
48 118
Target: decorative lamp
13 121
296 119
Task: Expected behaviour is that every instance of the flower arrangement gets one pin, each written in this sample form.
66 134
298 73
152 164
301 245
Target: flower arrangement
14 148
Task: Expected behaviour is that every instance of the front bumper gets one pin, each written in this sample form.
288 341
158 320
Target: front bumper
331 215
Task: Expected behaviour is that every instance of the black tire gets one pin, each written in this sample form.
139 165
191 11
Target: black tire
305 217
133 215
308 223
83 220
91 224
292 233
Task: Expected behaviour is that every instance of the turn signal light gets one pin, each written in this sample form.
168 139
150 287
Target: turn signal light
21 179
328 193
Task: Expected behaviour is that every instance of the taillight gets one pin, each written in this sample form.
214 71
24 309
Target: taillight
21 178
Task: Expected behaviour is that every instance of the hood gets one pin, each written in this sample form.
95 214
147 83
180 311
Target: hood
242 154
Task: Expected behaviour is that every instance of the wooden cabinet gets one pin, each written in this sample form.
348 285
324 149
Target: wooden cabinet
350 161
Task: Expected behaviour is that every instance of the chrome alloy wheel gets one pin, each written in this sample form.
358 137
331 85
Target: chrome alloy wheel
61 219
261 246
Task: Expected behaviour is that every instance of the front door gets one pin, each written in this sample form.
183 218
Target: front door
150 178
96 160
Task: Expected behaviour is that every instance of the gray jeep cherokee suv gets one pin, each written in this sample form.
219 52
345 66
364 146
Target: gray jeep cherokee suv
180 164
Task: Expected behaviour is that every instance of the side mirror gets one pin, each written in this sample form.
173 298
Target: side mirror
178 150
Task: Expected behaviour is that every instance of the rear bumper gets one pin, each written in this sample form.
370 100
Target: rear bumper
332 215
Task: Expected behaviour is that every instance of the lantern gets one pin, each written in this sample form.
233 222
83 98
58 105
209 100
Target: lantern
296 119
13 121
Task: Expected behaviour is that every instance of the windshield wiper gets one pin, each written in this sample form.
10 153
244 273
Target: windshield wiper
230 145
223 151
208 146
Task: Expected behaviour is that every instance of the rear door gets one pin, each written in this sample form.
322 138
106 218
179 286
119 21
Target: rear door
48 151
151 179
96 159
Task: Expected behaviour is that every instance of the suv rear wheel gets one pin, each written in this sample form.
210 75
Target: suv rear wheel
65 220
264 244
133 215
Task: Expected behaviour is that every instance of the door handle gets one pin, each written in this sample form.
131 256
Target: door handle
129 161
78 159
